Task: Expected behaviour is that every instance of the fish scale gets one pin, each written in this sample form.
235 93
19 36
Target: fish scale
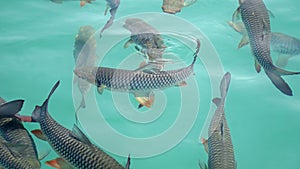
285 44
77 153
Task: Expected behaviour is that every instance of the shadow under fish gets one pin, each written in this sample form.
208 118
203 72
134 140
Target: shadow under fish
85 55
74 148
141 82
113 6
23 152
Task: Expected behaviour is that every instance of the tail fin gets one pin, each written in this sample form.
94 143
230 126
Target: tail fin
225 84
279 82
43 109
82 105
11 108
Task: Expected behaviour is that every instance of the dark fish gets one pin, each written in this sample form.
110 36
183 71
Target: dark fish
113 5
85 55
21 147
145 36
219 145
174 6
256 20
73 147
140 82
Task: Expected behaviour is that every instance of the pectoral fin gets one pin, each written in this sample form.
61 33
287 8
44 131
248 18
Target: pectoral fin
282 60
82 3
106 9
145 99
128 43
244 41
236 15
202 165
205 144
39 134
101 88
59 163
79 135
183 83
128 162
257 66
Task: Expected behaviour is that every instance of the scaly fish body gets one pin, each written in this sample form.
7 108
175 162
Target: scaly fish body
285 44
219 145
256 20
77 150
13 133
146 36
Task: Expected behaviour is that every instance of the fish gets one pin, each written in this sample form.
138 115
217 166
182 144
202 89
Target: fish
257 23
285 45
175 6
73 147
145 36
141 82
113 6
84 55
14 136
82 2
219 144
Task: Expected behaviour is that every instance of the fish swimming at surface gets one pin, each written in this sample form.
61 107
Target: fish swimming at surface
140 82
113 5
219 145
175 6
85 55
145 36
256 20
18 149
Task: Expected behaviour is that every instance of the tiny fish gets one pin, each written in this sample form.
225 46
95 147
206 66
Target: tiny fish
140 82
22 149
85 55
73 147
113 5
174 6
219 145
145 36
257 23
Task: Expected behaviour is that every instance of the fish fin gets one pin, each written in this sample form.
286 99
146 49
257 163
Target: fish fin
57 1
40 109
15 149
182 83
82 3
282 72
25 118
244 41
101 88
271 14
59 163
279 83
44 155
39 134
282 60
217 101
128 162
225 84
236 15
205 144
11 108
145 99
128 43
234 26
82 105
79 135
266 29
189 2
257 66
106 9
202 165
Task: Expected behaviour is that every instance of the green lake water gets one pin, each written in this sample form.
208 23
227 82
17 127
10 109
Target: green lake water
37 42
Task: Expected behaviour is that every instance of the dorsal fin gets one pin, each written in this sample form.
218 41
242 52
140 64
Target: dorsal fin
11 108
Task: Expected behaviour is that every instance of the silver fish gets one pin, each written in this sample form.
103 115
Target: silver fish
74 148
140 82
257 23
85 55
219 145
113 5
15 136
145 36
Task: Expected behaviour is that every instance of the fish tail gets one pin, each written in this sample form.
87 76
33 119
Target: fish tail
36 114
282 72
196 52
279 82
225 84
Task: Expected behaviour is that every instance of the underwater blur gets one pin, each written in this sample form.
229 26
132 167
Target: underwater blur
142 84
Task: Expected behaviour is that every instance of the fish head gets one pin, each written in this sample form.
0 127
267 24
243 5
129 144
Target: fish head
87 73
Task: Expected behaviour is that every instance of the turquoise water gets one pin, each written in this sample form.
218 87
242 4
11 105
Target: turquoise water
37 42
